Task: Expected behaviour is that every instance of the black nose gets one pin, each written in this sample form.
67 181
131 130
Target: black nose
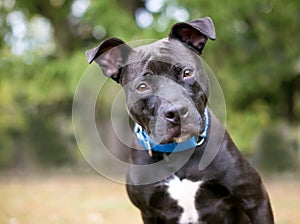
174 114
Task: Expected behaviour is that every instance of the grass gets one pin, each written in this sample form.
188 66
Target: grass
285 198
92 199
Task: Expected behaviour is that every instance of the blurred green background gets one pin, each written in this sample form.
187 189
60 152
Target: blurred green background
255 58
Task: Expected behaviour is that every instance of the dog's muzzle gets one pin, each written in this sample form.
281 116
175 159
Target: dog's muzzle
150 145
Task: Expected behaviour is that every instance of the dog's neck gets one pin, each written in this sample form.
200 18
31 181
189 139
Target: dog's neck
150 145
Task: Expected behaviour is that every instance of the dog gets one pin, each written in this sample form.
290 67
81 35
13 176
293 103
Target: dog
167 92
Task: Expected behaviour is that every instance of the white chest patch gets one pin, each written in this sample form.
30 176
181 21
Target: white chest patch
184 192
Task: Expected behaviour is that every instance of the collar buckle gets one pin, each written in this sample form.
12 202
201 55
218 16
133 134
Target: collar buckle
149 148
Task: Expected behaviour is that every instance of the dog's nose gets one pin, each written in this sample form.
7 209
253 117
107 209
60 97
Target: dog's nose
175 114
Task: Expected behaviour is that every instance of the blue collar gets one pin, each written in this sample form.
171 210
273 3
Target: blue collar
150 145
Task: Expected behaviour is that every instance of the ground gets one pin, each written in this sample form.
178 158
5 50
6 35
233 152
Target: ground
92 199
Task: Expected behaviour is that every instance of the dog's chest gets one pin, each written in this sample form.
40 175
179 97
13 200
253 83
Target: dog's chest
184 193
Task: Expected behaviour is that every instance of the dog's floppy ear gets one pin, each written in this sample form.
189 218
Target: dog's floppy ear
194 33
111 55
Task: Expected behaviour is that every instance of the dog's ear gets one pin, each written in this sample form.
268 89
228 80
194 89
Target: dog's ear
111 55
194 33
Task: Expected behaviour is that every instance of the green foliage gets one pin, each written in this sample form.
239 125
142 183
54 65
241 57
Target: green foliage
115 21
275 151
33 97
244 126
49 144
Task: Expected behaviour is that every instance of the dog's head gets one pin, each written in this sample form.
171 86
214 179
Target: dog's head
165 83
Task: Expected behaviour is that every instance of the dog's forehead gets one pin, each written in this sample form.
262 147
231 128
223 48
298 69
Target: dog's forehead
163 50
163 53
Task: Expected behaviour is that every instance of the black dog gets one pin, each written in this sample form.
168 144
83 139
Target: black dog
167 92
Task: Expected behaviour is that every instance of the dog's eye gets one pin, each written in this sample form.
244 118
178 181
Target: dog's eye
186 73
142 87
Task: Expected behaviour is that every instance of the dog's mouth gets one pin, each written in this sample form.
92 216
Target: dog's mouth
162 132
184 137
179 138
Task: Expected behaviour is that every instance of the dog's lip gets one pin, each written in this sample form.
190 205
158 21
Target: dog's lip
176 134
183 138
179 138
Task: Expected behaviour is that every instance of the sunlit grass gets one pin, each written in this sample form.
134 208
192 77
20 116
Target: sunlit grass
64 200
77 200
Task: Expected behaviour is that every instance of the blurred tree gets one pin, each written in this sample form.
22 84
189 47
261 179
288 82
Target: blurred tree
275 152
58 13
131 5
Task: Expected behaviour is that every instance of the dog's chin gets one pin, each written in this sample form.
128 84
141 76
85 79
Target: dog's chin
179 138
175 134
183 138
